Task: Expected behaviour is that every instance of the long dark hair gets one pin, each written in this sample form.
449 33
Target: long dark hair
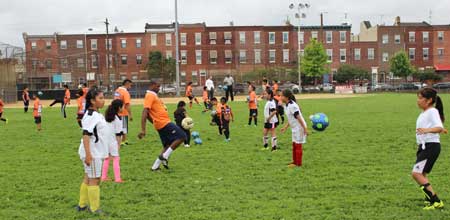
92 93
270 93
181 104
289 94
113 110
430 93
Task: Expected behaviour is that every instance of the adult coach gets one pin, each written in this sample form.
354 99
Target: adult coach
123 94
210 87
229 81
156 112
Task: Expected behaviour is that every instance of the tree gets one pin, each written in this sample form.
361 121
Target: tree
347 73
314 62
427 75
160 67
400 65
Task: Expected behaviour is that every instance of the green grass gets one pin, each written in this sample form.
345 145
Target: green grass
359 168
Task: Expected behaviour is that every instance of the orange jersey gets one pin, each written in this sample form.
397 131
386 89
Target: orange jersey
81 102
37 108
188 91
252 101
219 109
67 96
85 91
1 106
123 94
226 112
205 96
157 110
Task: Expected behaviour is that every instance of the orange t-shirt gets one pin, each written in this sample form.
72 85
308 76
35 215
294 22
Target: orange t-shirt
188 91
205 96
67 96
219 109
81 105
37 108
1 106
252 101
85 91
157 110
123 94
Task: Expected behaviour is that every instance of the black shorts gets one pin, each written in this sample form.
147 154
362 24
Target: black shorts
270 125
191 97
26 103
253 112
171 133
80 116
37 120
426 157
280 110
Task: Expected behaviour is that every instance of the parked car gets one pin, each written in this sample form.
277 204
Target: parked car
311 89
326 87
443 85
168 89
407 86
383 87
288 85
420 85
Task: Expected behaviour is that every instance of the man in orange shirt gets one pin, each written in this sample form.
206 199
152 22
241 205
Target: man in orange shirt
252 105
1 111
64 102
37 110
123 94
156 112
190 94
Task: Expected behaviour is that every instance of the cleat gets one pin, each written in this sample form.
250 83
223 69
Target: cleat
164 161
292 165
81 209
187 145
274 149
156 170
434 206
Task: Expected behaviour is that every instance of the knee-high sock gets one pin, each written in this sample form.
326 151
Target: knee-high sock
116 166
265 141
274 142
167 153
94 197
84 199
294 156
105 168
250 120
298 151
256 120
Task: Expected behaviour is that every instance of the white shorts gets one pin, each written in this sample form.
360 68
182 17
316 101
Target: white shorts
114 149
298 136
125 124
95 169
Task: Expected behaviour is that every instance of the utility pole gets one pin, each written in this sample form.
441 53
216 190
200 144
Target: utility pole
177 55
107 50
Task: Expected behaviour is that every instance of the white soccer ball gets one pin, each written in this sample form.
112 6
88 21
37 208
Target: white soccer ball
187 123
213 113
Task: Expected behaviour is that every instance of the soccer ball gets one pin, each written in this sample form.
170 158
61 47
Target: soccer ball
319 121
195 134
248 98
198 141
225 88
187 123
40 93
213 113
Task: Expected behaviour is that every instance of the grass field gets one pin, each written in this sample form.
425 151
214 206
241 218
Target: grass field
359 168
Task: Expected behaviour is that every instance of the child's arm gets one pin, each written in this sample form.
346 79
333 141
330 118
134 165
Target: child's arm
232 115
435 130
303 124
283 129
271 116
87 149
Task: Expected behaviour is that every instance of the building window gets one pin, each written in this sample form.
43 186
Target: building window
314 35
397 39
329 55
371 53
183 57
134 76
63 44
48 45
93 44
258 56
357 53
194 77
34 63
153 39
242 37
343 36
63 63
329 37
440 35
198 38
108 44
385 39
271 37
169 54
183 39
227 37
110 61
343 55
198 57
257 37
440 52
123 43
183 78
412 53
426 36
213 56
228 56
385 57
272 56
138 59
48 64
242 56
79 44
94 63
80 62
285 55
138 43
412 36
302 38
124 59
33 45
212 37
426 53
285 37
168 39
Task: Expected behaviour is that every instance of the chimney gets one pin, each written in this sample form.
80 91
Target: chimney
397 21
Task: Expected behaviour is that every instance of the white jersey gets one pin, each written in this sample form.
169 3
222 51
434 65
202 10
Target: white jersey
115 128
268 109
95 124
292 111
428 119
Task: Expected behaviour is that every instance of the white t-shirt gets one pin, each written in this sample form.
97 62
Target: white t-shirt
209 84
115 128
292 110
94 123
270 105
428 119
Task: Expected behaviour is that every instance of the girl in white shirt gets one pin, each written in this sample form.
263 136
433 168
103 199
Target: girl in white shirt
428 127
270 120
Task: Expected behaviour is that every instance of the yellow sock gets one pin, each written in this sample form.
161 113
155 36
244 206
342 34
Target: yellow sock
84 200
94 197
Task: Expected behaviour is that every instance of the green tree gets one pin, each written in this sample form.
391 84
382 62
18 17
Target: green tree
427 75
314 62
347 73
400 65
159 67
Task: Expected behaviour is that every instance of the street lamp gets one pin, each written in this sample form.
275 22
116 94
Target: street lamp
177 52
299 14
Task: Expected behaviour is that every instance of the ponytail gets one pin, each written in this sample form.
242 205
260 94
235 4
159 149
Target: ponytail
430 93
289 94
113 110
440 108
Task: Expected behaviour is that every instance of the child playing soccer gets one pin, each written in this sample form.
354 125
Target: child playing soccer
270 120
25 99
115 125
206 101
280 108
428 127
81 102
190 95
215 120
37 111
226 115
1 111
64 102
298 127
179 115
252 106
93 149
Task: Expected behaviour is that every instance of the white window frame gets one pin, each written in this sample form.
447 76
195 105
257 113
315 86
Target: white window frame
397 39
141 59
241 37
80 44
257 56
329 37
198 57
272 38
314 35
212 37
183 56
242 56
371 53
213 56
94 45
440 35
123 43
169 54
357 54
153 39
342 36
343 53
301 39
256 37
168 39
272 56
227 37
385 57
329 55
94 61
425 37
427 53
48 45
285 55
412 36
121 59
385 39
285 37
412 53
63 45
440 53
138 42
230 58
33 45
110 44
183 39
198 38
80 62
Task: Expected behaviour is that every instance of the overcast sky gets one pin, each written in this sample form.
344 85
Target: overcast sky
76 16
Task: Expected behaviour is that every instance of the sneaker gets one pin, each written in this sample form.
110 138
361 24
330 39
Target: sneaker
187 145
435 205
156 170
292 165
164 161
98 212
106 179
81 209
274 149
119 181
264 148
227 140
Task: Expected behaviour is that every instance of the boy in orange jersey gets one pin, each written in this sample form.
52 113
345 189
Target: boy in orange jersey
190 95
37 112
81 103
252 106
226 115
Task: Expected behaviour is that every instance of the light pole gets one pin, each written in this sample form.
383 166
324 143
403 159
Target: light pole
177 55
299 15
